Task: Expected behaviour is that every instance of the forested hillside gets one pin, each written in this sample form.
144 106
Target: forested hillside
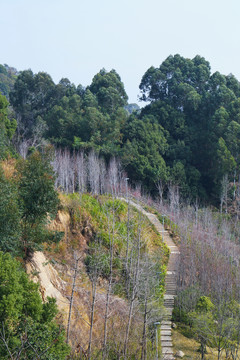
187 134
68 154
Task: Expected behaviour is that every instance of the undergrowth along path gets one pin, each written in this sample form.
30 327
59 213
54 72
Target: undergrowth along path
170 283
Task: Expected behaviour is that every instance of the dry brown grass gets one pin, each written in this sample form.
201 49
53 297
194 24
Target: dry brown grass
77 219
190 347
8 166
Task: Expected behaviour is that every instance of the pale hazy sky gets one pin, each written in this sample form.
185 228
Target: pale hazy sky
76 38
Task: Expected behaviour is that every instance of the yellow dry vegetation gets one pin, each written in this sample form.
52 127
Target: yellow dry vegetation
190 347
79 218
8 166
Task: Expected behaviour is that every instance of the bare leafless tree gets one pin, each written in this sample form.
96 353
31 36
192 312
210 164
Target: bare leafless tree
134 276
81 172
77 258
94 173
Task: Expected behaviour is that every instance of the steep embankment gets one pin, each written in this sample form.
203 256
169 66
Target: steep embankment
89 223
50 283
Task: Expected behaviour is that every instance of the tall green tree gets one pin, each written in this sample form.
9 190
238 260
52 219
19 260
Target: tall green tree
109 90
144 146
32 97
38 199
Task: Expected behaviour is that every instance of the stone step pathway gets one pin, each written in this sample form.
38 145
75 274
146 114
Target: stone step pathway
170 285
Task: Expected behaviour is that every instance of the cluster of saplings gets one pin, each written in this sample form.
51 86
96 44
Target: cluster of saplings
187 134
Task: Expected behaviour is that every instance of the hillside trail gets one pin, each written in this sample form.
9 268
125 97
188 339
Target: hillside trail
170 283
51 284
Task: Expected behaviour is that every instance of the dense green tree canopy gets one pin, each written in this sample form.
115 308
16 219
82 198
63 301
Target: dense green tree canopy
31 98
197 109
144 146
8 127
109 90
196 112
8 77
27 325
28 201
38 199
9 215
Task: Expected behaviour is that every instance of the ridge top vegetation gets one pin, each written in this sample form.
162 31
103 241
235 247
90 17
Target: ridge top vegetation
187 134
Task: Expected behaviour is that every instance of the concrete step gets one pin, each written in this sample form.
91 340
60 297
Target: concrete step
170 289
166 338
167 357
166 327
171 279
166 344
168 298
167 351
170 286
170 283
166 332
